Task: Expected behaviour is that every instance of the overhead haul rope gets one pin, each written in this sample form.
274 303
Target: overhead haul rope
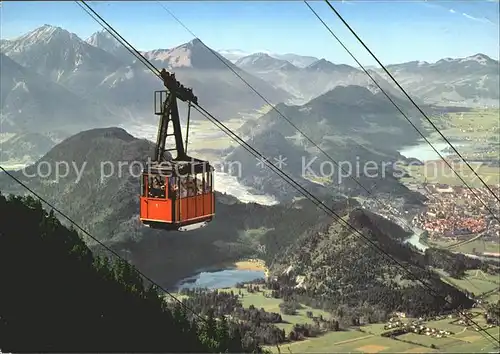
222 60
243 143
409 98
114 253
307 194
381 203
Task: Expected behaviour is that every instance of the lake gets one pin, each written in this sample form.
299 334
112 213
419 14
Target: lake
220 279
424 152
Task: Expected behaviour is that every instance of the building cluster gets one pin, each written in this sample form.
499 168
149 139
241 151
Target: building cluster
417 327
456 211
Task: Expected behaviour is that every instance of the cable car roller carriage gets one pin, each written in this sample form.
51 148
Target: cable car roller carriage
176 193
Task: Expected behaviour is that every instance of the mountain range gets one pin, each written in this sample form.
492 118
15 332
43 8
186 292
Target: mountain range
470 81
100 69
54 82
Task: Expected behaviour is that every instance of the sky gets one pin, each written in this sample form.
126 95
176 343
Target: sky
396 31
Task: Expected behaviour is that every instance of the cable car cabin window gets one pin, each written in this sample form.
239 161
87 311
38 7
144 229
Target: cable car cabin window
157 187
208 182
199 182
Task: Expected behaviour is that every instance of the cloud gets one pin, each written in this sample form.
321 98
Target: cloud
478 19
466 15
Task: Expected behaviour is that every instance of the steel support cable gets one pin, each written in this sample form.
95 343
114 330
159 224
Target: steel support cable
224 61
114 253
142 59
382 204
401 111
410 99
296 128
290 180
308 195
369 191
96 17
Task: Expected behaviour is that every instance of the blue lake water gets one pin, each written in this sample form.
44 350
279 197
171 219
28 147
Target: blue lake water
220 279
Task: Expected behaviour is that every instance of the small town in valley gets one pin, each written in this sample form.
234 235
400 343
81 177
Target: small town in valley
454 213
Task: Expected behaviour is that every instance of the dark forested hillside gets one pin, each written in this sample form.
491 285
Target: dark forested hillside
58 297
332 267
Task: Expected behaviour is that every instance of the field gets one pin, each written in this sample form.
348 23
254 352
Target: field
480 127
477 282
439 172
206 135
368 339
477 125
272 305
477 245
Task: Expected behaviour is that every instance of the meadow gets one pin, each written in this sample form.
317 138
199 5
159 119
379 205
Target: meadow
438 172
368 339
479 127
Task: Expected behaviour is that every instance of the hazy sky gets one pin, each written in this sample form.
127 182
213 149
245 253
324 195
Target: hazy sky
396 31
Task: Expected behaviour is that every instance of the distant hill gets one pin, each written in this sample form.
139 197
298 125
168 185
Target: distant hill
352 124
332 267
300 61
109 207
470 81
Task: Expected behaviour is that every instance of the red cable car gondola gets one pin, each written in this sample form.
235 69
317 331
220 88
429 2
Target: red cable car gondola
177 193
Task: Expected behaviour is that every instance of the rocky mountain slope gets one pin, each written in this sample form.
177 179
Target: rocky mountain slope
31 103
62 57
101 69
217 87
21 148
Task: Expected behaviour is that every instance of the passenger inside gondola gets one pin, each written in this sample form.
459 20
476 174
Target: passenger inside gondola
184 191
191 189
199 185
157 187
173 187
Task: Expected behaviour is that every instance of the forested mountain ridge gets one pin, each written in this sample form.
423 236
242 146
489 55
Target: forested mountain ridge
62 298
331 266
